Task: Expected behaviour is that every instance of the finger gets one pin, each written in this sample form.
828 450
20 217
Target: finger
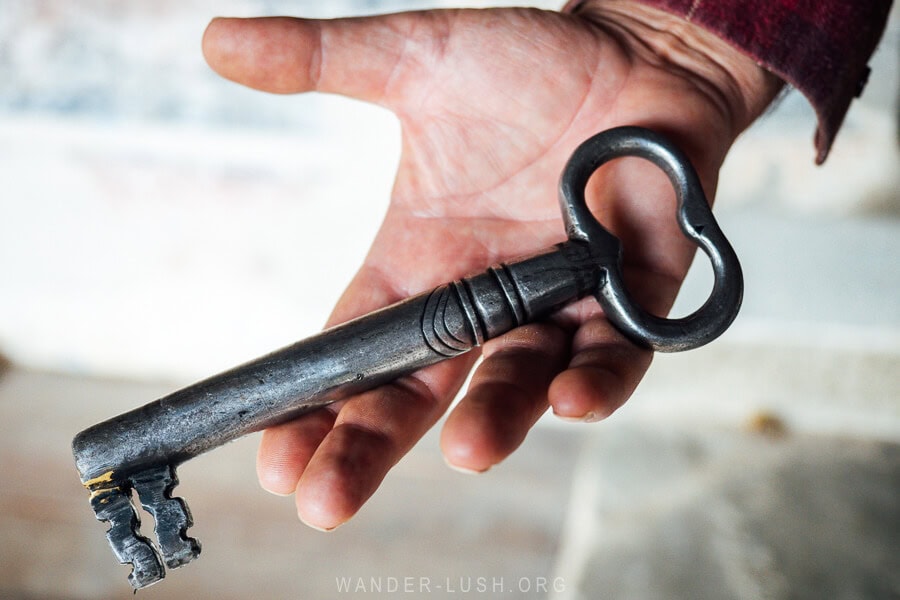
604 371
372 432
605 367
357 57
285 450
289 453
507 395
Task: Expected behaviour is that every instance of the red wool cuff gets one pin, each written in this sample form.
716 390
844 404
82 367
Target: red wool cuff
820 47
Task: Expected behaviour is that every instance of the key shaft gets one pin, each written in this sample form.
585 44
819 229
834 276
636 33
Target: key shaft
337 363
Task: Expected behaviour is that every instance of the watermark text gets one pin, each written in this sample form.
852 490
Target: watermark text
418 585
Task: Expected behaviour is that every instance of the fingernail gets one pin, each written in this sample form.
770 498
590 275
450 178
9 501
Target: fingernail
273 492
316 527
588 417
464 470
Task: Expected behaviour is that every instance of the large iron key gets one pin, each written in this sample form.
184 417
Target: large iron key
140 449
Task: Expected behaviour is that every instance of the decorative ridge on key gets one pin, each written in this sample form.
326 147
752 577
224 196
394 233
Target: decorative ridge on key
466 298
465 313
140 449
434 325
502 276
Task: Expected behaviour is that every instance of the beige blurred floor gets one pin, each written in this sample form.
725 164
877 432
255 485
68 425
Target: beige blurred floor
440 528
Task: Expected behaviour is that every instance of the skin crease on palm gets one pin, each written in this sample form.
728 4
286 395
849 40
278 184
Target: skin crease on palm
491 104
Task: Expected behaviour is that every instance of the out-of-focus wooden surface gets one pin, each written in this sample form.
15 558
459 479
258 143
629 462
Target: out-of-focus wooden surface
441 528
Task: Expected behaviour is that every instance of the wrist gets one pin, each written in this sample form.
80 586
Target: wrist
738 85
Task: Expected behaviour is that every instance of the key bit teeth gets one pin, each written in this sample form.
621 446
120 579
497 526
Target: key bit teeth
113 505
172 516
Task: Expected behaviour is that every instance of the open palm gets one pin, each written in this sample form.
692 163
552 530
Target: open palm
491 104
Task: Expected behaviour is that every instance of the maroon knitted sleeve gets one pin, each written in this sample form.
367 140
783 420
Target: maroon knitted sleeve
820 47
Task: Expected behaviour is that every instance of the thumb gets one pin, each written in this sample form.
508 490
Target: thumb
356 57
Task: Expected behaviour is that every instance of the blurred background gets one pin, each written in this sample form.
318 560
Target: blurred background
159 224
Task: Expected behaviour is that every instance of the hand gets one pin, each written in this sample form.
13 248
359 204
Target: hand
491 104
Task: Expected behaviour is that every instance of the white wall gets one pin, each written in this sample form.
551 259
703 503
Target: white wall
156 221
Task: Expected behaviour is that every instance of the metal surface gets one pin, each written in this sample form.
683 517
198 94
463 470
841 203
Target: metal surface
140 449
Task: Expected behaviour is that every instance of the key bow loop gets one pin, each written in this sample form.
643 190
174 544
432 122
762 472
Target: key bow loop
697 224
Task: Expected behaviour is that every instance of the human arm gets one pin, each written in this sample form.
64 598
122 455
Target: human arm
821 48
